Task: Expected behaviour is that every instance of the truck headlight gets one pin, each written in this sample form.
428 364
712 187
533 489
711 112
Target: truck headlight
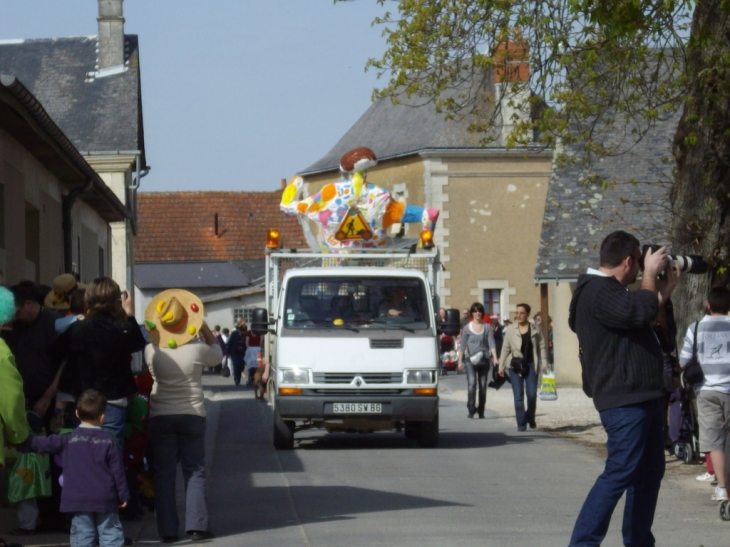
420 377
295 376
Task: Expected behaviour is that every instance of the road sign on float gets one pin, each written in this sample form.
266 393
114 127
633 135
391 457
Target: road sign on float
353 226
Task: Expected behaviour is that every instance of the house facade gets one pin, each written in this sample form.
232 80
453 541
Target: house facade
54 208
211 243
491 198
91 87
585 203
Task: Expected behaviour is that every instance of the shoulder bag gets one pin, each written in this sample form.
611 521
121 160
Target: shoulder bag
693 370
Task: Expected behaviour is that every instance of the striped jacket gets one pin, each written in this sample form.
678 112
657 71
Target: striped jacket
713 351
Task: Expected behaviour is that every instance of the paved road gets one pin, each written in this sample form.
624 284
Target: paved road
485 485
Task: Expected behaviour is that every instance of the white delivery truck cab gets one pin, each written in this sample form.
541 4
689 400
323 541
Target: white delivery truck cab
353 342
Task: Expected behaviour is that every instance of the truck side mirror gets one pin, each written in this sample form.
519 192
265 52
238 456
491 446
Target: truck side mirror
452 325
260 321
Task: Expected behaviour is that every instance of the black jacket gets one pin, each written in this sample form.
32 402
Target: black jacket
621 356
101 348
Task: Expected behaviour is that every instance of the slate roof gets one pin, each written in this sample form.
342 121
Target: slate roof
189 275
96 113
393 130
180 226
578 214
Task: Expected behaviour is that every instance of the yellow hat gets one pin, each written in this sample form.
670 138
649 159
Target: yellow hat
63 286
173 317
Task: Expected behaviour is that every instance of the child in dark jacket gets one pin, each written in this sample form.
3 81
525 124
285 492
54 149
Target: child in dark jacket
94 484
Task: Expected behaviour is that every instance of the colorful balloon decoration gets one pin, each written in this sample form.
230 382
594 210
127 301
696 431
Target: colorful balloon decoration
353 213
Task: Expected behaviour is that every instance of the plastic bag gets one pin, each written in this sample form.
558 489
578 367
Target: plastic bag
29 477
547 389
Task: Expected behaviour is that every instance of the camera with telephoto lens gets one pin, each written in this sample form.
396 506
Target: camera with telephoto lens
693 264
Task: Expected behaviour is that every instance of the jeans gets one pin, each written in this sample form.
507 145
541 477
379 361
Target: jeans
115 418
238 365
521 385
473 374
635 465
173 439
88 529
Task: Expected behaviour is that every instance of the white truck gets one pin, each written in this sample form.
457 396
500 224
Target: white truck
352 340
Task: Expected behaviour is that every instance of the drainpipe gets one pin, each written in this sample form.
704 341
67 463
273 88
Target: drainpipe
67 203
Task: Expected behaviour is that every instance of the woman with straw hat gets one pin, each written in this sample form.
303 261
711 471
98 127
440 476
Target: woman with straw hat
176 359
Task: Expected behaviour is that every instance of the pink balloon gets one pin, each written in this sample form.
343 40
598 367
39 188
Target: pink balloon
60 480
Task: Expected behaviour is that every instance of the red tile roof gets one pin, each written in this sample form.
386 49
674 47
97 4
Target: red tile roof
180 226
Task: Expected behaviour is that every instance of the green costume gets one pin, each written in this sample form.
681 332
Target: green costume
13 423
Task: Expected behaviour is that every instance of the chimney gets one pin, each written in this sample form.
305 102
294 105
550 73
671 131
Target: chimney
111 33
511 82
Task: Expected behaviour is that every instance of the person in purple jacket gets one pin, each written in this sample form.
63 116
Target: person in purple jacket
94 484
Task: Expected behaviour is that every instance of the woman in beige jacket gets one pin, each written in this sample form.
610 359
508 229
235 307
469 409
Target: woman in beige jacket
524 344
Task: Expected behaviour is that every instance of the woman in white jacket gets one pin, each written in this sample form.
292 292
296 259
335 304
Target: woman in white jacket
523 349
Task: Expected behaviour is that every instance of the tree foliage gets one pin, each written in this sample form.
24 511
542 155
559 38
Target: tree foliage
599 65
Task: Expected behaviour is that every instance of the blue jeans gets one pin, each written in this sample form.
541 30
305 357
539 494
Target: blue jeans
89 528
179 438
115 418
635 465
521 385
476 375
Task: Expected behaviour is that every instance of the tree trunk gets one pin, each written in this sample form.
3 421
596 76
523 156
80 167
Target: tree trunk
700 197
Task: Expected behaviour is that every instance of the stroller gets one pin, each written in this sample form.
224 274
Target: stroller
683 424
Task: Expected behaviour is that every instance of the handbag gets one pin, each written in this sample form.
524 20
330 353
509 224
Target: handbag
520 366
476 358
29 477
693 370
226 370
547 389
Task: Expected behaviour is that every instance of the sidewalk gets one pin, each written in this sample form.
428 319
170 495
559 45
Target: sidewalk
573 417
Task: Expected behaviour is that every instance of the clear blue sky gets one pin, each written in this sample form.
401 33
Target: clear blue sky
237 94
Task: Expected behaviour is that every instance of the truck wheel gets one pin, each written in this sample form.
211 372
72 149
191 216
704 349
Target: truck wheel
412 430
428 436
283 433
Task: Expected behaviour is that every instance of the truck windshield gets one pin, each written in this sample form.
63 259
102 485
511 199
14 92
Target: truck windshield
348 303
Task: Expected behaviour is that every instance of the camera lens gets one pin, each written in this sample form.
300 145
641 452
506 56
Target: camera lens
690 264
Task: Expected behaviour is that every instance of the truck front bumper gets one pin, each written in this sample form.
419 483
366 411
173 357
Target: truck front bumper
321 407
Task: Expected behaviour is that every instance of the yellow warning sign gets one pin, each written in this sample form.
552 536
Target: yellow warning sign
353 226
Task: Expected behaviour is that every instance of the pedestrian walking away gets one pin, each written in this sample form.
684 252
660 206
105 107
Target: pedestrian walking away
713 397
177 414
522 351
476 353
622 360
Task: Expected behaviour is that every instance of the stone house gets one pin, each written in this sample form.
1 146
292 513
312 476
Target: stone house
491 198
585 203
54 208
90 86
211 243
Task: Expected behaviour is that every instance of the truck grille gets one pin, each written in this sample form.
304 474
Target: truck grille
351 392
386 343
348 377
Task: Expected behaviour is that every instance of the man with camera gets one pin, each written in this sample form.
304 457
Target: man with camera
622 363
713 400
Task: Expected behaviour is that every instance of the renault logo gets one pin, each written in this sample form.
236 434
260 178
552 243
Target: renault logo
358 382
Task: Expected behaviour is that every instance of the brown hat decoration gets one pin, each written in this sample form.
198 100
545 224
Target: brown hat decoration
173 317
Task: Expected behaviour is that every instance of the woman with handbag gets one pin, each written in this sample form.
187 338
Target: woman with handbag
523 344
477 345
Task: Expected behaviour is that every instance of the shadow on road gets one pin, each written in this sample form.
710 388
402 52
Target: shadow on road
449 440
315 504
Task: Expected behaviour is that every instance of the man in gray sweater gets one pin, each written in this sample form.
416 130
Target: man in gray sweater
622 370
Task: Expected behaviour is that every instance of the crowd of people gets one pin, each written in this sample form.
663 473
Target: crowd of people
116 430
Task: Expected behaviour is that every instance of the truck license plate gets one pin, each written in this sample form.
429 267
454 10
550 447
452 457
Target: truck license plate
358 408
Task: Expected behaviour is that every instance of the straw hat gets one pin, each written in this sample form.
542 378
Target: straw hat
63 286
173 317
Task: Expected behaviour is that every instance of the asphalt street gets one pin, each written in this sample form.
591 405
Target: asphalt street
485 485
